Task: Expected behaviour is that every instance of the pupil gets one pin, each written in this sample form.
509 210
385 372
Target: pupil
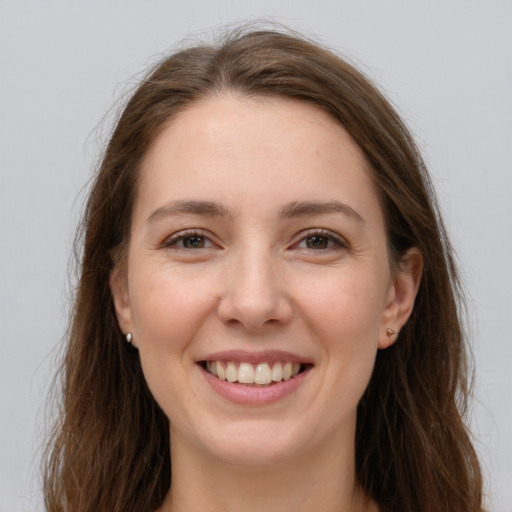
193 242
317 242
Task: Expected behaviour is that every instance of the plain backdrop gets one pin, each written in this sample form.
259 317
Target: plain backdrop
446 65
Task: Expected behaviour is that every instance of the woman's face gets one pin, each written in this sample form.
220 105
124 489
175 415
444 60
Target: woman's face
257 249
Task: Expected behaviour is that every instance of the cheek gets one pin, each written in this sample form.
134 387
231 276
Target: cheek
344 315
345 309
167 309
167 312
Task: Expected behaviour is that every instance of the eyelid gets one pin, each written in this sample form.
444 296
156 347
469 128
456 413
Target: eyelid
175 238
331 235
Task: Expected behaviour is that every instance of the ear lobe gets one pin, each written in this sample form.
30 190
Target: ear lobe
119 290
402 294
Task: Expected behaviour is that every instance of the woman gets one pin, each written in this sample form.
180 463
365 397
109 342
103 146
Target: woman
263 233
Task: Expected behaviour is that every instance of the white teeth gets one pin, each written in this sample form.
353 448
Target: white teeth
287 370
277 372
263 375
246 373
231 372
221 373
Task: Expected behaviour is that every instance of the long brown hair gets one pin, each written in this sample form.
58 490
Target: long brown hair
110 447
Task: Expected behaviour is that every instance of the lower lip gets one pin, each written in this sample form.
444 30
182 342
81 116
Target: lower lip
248 395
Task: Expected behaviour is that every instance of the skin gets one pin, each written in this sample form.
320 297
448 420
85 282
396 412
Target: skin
255 281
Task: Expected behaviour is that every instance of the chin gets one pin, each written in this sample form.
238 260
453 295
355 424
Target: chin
253 446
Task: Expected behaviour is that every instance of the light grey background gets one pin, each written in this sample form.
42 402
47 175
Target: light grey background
447 65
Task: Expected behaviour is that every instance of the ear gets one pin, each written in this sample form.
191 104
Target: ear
119 289
402 293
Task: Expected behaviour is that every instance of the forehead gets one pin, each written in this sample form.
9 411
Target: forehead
255 150
224 122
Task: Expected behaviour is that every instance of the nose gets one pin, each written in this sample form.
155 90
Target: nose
253 291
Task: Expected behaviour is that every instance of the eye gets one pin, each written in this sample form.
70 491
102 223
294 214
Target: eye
188 240
321 240
318 242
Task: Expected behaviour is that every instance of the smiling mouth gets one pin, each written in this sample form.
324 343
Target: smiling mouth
258 375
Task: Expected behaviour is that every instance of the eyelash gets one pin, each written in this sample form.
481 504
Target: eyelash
339 243
175 239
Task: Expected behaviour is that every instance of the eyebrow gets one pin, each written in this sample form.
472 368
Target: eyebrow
303 208
291 210
207 208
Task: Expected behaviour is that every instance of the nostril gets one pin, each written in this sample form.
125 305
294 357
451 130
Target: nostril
254 316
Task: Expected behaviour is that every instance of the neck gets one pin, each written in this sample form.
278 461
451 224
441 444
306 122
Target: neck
323 480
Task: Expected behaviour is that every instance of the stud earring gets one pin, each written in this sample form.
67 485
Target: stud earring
129 337
390 332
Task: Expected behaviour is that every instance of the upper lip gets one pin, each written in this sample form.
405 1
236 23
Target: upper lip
264 356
